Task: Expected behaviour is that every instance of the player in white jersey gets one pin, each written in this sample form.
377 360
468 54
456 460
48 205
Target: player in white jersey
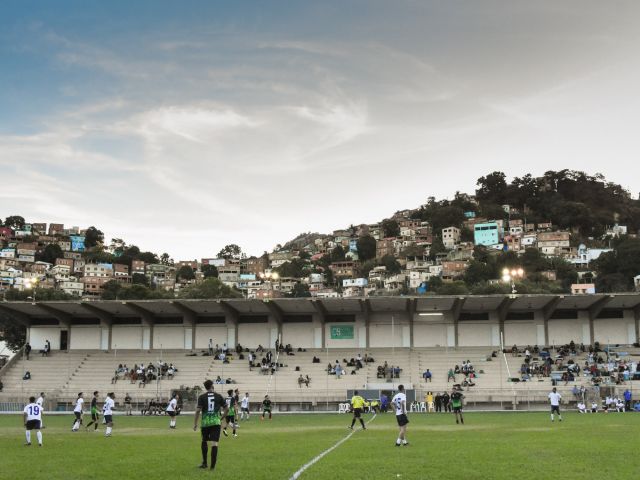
33 420
554 398
244 406
399 402
40 403
172 410
107 412
77 411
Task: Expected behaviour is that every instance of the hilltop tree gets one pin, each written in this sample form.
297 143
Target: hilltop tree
185 272
15 222
92 237
210 288
50 253
492 188
366 248
209 271
337 254
390 228
12 333
230 252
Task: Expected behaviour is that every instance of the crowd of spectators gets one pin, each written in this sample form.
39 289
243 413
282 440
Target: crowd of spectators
144 375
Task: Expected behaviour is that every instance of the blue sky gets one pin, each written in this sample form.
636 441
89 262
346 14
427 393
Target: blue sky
182 127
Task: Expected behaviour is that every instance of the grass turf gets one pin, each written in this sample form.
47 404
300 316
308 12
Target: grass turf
488 446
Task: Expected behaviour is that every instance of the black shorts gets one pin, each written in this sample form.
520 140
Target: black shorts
78 415
171 413
94 417
33 425
457 409
245 409
402 420
231 419
357 412
108 418
210 434
555 408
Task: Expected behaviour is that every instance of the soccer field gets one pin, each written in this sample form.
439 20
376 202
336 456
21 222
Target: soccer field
488 446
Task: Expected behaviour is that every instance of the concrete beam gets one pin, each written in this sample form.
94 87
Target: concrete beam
322 312
594 311
277 313
365 306
232 317
104 316
636 314
63 317
503 311
22 318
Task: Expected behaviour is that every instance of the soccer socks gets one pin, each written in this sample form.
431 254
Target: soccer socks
353 422
39 435
95 426
28 434
362 423
172 424
108 432
398 441
214 456
552 417
76 426
204 448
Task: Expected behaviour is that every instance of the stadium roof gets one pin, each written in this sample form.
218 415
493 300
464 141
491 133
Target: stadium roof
283 309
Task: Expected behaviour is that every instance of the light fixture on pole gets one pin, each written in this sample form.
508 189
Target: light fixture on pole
510 276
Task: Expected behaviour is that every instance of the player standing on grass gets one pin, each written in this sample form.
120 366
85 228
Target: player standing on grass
172 409
554 398
40 403
212 407
456 405
399 401
232 407
266 407
77 411
107 412
33 420
94 412
357 405
244 405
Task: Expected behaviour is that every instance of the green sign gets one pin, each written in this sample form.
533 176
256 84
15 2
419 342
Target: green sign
341 332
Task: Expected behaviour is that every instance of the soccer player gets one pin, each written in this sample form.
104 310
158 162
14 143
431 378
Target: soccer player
40 403
244 405
266 407
78 413
554 398
357 405
232 407
172 409
107 412
212 407
456 405
399 401
33 420
94 412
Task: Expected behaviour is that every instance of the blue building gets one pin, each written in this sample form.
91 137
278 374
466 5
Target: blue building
486 234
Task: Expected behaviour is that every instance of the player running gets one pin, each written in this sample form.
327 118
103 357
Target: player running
456 405
554 399
95 416
232 407
357 405
212 407
107 412
244 406
400 403
32 420
77 411
266 407
172 410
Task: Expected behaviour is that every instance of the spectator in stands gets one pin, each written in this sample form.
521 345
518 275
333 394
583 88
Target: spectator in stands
456 369
260 349
627 400
301 381
451 375
582 408
438 402
315 359
27 375
27 350
396 371
427 375
219 380
338 370
211 347
225 349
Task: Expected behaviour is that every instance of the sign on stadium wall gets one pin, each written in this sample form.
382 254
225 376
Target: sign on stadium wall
342 332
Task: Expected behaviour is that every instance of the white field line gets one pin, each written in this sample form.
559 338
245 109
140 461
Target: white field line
314 460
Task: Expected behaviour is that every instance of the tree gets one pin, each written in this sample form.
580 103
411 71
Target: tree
209 271
12 333
366 248
390 228
299 290
14 221
492 188
366 267
231 251
478 272
50 253
110 290
337 254
453 288
92 237
292 268
139 279
185 272
436 247
391 264
165 259
210 288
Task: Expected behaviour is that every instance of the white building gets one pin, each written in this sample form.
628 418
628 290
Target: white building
450 237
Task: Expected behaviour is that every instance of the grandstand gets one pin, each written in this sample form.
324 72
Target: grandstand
91 339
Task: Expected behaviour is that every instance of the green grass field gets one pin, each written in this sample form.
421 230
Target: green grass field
488 446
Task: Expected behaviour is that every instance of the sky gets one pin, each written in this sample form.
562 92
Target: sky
181 127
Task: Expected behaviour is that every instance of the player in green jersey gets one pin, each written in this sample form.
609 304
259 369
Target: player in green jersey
212 407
